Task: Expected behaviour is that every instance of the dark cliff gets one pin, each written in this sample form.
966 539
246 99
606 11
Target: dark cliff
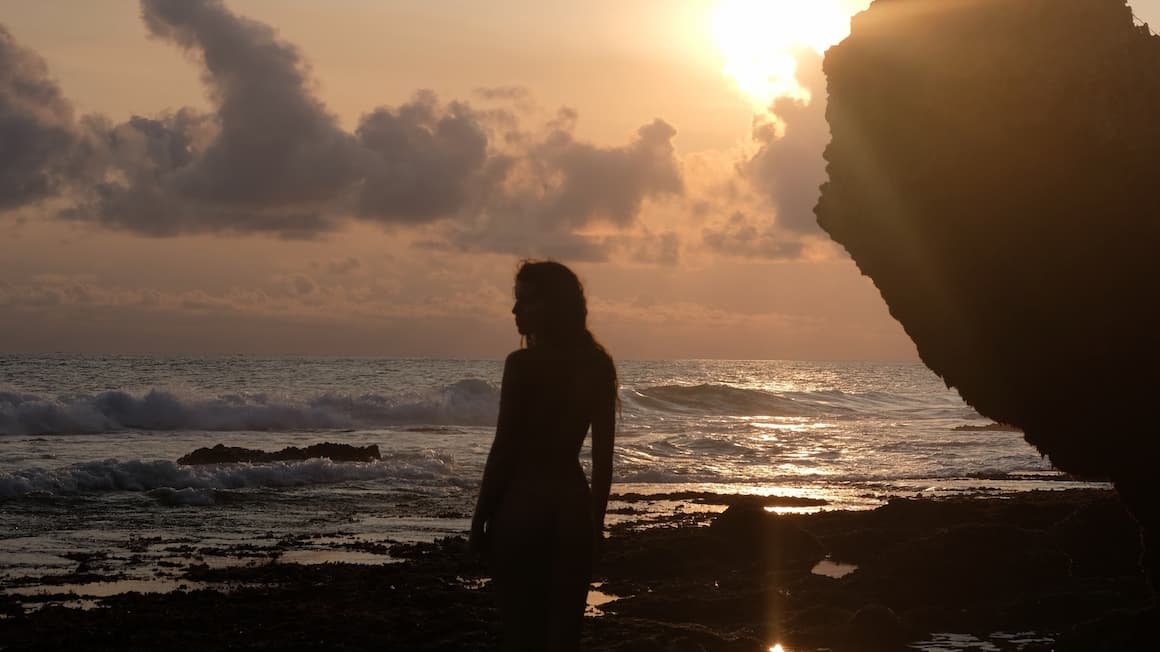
995 169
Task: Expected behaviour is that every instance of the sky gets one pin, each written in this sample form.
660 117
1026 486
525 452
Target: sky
362 177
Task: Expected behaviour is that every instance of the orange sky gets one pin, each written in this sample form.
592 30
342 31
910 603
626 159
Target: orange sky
693 234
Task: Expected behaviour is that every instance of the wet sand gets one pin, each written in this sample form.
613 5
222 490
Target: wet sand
1033 571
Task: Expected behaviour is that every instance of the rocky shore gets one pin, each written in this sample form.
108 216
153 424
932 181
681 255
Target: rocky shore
1052 570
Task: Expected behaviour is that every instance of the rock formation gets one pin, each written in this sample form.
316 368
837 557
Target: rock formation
994 168
221 454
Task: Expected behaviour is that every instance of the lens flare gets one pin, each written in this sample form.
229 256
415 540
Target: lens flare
760 41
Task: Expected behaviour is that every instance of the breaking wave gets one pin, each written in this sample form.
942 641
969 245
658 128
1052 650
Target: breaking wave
717 400
173 483
469 402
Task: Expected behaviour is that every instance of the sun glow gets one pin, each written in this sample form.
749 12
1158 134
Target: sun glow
760 41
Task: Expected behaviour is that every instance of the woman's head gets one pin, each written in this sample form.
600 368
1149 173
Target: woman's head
551 310
550 305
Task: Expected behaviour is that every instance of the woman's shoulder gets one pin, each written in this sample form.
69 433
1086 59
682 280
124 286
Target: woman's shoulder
596 357
602 357
517 357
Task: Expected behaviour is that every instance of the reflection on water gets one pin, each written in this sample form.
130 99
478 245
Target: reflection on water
106 589
37 597
947 642
596 599
834 569
313 557
472 583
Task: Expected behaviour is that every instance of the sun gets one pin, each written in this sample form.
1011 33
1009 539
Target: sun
760 40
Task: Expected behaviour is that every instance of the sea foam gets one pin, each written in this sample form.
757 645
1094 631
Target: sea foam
468 402
180 484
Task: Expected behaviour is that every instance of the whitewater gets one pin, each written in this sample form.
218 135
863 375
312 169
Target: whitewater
88 448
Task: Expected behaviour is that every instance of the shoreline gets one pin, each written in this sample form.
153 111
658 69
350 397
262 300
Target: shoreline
1018 571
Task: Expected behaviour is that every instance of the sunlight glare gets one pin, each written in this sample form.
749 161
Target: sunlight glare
777 648
760 41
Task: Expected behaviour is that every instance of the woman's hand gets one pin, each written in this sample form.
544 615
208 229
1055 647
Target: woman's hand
477 540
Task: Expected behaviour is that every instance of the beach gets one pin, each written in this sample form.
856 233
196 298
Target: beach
1017 572
113 533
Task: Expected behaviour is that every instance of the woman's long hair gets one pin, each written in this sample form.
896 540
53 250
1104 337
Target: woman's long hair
565 310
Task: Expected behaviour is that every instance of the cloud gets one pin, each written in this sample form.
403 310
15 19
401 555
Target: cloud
788 166
557 187
302 284
607 183
36 127
269 157
142 162
657 249
50 291
764 209
516 94
277 144
341 266
427 158
294 295
741 236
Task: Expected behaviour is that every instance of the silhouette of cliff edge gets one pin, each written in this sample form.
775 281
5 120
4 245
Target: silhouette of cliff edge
994 168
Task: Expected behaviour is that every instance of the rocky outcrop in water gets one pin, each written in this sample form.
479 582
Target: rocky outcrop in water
222 454
993 168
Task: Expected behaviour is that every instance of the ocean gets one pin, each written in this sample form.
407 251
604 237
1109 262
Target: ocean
88 450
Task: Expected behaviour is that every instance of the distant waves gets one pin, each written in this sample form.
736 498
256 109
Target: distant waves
177 483
718 400
468 402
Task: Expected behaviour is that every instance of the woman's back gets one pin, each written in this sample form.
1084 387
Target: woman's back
555 396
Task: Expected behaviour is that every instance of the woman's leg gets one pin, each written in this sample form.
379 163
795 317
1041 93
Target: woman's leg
521 569
571 571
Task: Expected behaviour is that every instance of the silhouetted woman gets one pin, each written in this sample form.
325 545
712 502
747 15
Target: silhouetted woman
536 518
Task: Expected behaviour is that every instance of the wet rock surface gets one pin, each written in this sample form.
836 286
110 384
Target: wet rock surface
967 566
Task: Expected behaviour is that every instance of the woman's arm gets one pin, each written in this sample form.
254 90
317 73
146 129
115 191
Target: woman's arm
497 472
603 434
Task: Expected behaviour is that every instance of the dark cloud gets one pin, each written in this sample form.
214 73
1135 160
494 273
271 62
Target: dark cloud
558 186
655 248
340 266
741 236
269 157
788 168
302 284
505 237
36 127
137 188
608 182
426 159
277 144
